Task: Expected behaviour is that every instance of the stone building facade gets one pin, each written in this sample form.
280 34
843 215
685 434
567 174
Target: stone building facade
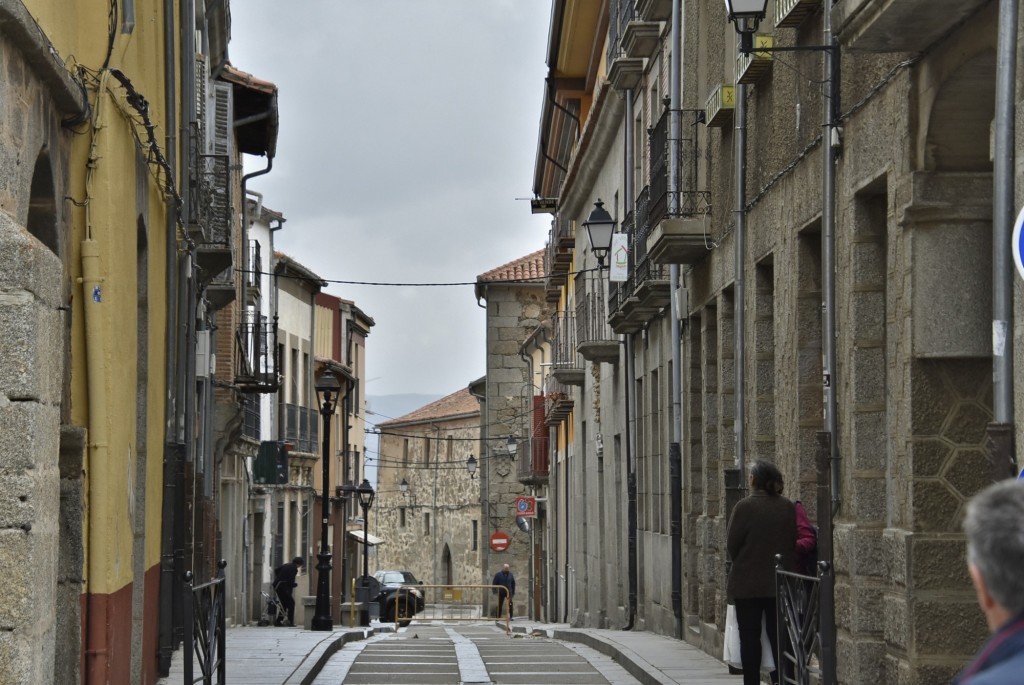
912 308
516 309
427 509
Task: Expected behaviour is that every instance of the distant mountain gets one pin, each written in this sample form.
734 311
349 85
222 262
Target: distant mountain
381 408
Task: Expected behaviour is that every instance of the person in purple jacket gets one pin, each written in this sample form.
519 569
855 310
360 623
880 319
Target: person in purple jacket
995 561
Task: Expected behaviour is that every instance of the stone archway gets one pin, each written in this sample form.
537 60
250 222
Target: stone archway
446 565
961 116
42 207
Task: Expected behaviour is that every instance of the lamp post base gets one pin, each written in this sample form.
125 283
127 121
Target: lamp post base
322 619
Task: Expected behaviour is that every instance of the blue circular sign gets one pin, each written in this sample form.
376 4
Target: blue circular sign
1015 246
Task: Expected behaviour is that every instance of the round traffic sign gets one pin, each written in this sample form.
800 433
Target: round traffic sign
1016 243
499 541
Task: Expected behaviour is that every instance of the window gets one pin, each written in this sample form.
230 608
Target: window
401 517
476 534
426 524
405 452
426 451
451 448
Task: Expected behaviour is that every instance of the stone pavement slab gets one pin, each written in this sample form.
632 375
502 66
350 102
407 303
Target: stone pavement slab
272 655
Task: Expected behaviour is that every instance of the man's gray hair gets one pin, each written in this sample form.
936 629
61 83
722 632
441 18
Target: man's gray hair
995 541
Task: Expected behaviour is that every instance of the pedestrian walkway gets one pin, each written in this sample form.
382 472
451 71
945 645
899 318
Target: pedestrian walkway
293 656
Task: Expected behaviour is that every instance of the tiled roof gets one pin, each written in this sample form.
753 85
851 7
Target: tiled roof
243 78
530 266
459 403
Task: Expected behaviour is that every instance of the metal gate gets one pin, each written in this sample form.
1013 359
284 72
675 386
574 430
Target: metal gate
801 625
453 603
204 629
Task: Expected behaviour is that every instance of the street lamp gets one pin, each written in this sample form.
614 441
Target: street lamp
366 495
512 445
471 466
746 16
327 391
600 226
404 486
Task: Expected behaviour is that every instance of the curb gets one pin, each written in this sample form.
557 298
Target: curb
306 672
637 667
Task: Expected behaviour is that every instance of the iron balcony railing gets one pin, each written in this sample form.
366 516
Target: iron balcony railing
591 308
563 344
620 13
301 428
256 363
251 416
689 200
558 401
532 454
255 264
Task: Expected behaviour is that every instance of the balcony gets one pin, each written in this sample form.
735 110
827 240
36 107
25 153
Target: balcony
565 361
654 10
595 340
256 363
301 428
750 68
624 71
641 38
897 25
532 455
720 105
791 13
675 230
650 278
558 257
251 418
253 280
558 401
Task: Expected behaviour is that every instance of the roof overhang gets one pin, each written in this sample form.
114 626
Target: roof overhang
256 113
371 540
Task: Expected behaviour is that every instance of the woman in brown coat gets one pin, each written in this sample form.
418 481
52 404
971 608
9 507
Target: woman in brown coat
763 524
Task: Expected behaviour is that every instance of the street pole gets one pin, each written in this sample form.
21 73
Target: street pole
327 387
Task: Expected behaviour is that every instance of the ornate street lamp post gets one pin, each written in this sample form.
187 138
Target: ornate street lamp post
366 495
327 391
600 225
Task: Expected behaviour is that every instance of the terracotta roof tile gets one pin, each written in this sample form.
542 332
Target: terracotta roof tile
459 403
530 266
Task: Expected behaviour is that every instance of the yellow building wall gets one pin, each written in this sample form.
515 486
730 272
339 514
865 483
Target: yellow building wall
104 210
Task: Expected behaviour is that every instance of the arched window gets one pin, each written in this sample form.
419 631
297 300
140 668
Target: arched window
42 206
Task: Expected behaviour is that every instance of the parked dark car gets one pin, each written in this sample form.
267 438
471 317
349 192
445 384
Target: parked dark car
397 599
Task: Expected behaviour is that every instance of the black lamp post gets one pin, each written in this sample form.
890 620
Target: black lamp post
746 15
327 391
600 226
366 495
512 445
471 466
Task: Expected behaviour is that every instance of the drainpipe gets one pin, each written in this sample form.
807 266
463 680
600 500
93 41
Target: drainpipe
101 496
675 447
739 425
1000 431
830 93
631 486
245 218
172 451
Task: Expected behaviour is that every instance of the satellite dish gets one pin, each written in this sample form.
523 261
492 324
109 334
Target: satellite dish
523 524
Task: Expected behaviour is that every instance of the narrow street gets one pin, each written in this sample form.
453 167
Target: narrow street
471 653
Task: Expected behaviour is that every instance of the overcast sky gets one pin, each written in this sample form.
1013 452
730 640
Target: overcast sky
408 130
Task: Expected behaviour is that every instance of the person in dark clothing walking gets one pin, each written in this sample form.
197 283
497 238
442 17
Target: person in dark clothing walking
995 560
762 525
506 591
284 582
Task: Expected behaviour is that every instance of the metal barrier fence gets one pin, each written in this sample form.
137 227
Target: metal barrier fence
452 603
801 625
204 629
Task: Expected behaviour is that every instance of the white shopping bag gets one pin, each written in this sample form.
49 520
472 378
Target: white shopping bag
731 649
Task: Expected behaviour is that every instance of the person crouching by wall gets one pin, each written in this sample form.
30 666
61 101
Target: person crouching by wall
762 525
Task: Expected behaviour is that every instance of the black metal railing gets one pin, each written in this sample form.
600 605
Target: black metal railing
801 626
251 416
689 200
563 344
301 428
591 308
620 13
255 265
256 362
205 627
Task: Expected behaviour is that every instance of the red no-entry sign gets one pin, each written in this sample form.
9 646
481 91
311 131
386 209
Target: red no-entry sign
499 541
